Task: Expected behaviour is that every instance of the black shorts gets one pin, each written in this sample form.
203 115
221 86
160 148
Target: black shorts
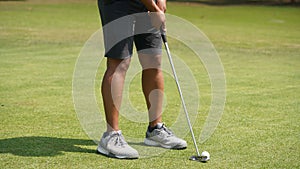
125 22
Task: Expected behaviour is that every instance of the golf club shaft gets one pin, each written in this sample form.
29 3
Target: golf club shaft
164 38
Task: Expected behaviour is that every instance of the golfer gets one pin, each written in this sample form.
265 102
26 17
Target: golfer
121 18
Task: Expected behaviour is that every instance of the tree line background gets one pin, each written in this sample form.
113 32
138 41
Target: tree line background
243 1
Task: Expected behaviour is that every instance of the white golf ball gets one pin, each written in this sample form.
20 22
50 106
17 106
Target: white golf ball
205 156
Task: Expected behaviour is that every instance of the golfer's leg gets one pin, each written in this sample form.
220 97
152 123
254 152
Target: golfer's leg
112 87
153 86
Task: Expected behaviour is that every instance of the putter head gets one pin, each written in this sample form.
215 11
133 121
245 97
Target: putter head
202 159
195 158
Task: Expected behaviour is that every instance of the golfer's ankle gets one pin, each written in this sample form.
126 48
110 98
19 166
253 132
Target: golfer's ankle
153 126
110 129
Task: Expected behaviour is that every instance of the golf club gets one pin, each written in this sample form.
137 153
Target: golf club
205 155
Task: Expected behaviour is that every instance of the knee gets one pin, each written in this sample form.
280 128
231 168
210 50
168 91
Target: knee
117 65
150 61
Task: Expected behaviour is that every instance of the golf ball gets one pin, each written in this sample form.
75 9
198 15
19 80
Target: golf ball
205 156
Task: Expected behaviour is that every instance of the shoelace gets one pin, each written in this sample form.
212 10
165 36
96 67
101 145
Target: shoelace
170 133
119 139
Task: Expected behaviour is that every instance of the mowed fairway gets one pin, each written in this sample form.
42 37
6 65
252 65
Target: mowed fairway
259 47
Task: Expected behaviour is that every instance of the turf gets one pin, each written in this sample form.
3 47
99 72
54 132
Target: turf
259 47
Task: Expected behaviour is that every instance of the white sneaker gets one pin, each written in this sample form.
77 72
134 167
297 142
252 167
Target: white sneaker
162 136
113 144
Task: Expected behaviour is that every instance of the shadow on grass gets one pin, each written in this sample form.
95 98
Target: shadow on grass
43 146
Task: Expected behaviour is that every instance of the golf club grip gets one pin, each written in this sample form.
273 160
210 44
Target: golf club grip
164 37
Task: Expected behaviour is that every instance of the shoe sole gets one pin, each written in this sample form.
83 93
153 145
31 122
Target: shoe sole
101 150
157 144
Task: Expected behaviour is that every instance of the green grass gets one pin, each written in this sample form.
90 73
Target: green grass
259 47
